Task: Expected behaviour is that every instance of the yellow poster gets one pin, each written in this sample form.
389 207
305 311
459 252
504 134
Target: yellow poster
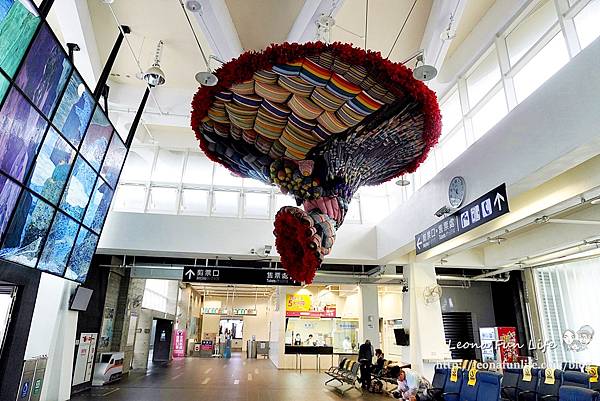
592 370
526 373
472 377
454 374
549 373
297 303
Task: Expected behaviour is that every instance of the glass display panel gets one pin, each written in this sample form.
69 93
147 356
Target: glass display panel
21 131
59 244
52 167
79 189
74 110
98 207
96 139
195 201
79 262
586 23
114 161
45 71
18 21
9 193
27 230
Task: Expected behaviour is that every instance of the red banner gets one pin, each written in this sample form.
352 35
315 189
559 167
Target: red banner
179 344
329 312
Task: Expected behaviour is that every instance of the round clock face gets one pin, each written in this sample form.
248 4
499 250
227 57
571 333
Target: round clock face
457 191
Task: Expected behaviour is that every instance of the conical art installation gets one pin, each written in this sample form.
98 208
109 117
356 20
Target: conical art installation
319 121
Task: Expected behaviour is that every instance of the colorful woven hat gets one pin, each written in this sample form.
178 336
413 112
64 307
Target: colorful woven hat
314 74
296 85
342 87
250 101
330 123
326 99
304 107
271 92
244 88
291 69
265 76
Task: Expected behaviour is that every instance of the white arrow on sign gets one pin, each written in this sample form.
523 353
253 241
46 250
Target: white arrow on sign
498 201
190 273
419 243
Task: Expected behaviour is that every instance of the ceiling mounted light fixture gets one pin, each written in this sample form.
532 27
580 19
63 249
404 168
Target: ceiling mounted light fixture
155 76
424 72
193 6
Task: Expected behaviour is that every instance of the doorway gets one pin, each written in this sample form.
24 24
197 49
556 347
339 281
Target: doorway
8 294
161 344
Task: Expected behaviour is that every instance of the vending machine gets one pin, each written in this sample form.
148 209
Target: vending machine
499 344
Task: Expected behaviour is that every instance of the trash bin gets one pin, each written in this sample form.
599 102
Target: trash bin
251 349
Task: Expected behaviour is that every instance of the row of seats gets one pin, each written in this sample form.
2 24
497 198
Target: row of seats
346 373
514 385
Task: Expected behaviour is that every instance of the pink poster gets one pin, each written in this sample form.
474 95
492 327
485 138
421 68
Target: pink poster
179 344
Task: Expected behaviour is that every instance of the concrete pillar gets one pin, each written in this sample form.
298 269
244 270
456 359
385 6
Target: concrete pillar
422 320
369 314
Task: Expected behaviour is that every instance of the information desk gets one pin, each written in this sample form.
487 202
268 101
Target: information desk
300 350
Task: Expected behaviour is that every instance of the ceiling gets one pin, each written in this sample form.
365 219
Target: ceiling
472 14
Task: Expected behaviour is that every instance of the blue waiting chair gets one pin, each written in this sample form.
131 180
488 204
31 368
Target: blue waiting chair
510 381
440 375
527 389
576 379
452 388
468 392
488 386
573 393
548 391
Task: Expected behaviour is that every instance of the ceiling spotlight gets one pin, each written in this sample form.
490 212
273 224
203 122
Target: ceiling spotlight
206 78
193 6
424 72
444 210
155 76
403 182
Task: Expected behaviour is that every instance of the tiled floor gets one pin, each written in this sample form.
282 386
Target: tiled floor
235 379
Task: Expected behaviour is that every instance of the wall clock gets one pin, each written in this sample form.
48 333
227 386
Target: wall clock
457 191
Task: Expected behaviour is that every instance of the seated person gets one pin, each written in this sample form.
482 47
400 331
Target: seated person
379 362
411 385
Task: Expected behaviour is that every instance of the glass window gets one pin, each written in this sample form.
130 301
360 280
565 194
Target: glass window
586 23
9 193
156 295
195 201
541 67
138 165
19 20
252 183
130 198
452 146
282 200
74 110
451 112
484 76
96 139
99 204
169 165
256 204
198 170
163 199
492 112
224 177
58 245
225 203
353 213
530 30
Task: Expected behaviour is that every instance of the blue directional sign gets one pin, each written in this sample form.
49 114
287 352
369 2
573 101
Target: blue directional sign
482 210
25 389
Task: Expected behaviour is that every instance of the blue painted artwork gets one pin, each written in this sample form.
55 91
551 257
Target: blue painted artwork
114 160
78 191
96 139
80 260
98 207
52 166
18 22
44 72
21 131
23 241
74 110
58 246
4 84
9 193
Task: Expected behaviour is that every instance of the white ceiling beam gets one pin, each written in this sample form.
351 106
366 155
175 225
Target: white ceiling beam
76 26
218 29
437 23
305 27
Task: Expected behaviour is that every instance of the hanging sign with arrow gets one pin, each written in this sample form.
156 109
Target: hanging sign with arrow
482 210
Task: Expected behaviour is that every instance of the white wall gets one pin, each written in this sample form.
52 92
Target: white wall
52 333
390 308
166 235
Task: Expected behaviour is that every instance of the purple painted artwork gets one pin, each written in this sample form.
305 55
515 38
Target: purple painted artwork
96 139
9 192
21 131
114 160
44 72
